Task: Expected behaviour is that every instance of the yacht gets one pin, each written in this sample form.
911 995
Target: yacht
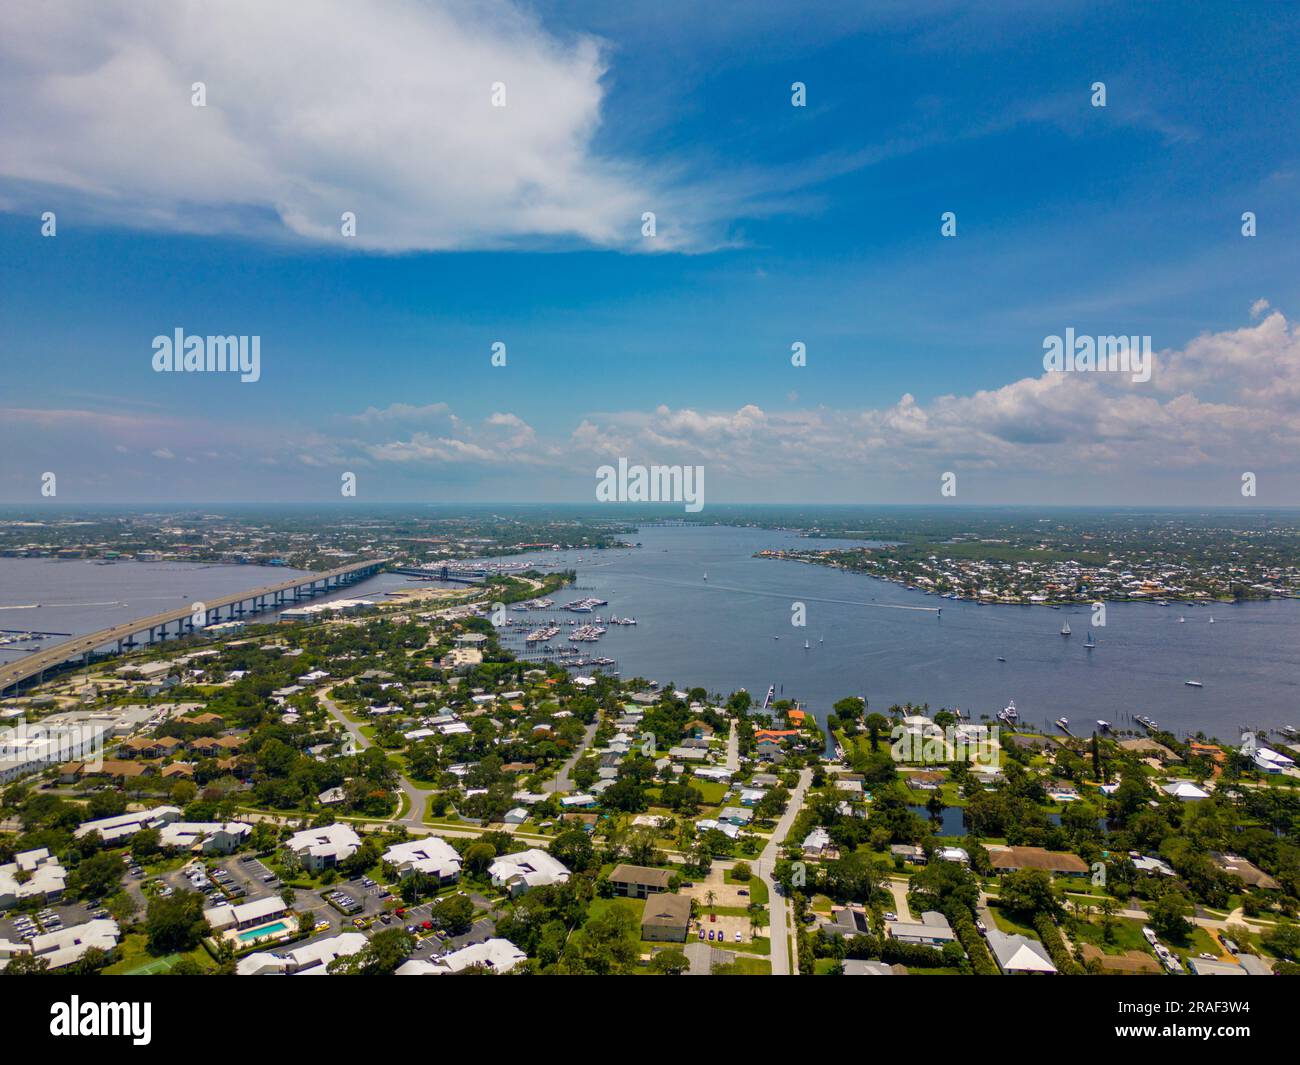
1010 714
1194 684
1001 659
1063 723
1103 725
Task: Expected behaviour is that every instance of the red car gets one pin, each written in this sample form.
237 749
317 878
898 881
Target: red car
427 925
400 911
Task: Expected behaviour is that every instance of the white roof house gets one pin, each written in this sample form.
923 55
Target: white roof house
430 855
1185 790
816 841
111 829
318 848
246 914
69 944
527 869
499 955
1019 954
33 874
304 960
210 837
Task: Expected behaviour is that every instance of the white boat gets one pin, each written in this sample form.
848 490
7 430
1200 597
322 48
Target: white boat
806 645
1063 723
1182 621
1091 643
1211 619
1065 629
706 576
1010 713
1194 684
1103 725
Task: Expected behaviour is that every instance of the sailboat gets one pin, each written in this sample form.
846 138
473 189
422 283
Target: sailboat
1211 619
1182 621
706 576
821 639
1090 643
806 645
1065 629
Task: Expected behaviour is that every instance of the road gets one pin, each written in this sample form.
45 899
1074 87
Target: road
733 749
562 783
778 905
417 799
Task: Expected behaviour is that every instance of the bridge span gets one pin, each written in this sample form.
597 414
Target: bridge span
186 619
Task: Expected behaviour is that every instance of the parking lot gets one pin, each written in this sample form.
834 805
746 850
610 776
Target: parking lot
22 927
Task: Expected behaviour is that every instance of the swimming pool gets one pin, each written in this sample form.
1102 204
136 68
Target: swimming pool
264 930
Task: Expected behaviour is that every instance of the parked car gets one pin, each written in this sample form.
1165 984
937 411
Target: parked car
890 915
737 937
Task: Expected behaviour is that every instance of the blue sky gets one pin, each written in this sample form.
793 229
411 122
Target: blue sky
776 224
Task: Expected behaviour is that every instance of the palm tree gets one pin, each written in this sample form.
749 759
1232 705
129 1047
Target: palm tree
710 897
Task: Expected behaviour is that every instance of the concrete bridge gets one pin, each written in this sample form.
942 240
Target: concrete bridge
452 574
187 620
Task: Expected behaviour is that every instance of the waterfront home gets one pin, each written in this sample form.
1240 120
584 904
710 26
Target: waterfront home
1019 955
1061 863
1152 866
318 849
524 870
666 918
933 930
952 854
639 881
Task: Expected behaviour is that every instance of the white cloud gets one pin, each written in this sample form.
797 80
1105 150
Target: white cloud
318 108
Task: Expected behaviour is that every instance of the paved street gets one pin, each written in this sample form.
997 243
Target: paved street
778 905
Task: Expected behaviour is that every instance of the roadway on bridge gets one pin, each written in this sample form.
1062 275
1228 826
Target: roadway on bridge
48 657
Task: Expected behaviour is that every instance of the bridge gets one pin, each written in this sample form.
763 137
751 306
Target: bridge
187 619
450 574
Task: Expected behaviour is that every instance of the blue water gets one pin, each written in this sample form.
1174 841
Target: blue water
881 641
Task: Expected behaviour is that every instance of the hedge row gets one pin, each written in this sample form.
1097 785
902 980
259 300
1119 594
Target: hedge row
1055 944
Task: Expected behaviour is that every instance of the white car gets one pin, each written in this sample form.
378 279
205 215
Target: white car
891 916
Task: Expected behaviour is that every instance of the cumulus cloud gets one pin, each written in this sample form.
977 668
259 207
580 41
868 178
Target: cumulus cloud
315 109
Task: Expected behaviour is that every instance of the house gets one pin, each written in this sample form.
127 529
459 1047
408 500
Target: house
1185 790
715 773
311 959
517 816
225 917
331 796
816 843
32 875
846 921
909 852
429 855
736 815
320 848
578 802
858 967
1246 871
68 945
205 837
496 955
1152 866
952 854
1271 761
1010 859
666 918
1149 747
933 930
639 881
525 870
1019 955
113 829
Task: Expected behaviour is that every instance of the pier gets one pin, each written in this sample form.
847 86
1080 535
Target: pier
187 620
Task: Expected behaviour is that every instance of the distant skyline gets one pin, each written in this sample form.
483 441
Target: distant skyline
775 225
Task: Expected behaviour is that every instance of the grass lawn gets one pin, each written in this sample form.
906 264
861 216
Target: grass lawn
135 960
1010 924
1127 935
743 966
636 907
757 889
